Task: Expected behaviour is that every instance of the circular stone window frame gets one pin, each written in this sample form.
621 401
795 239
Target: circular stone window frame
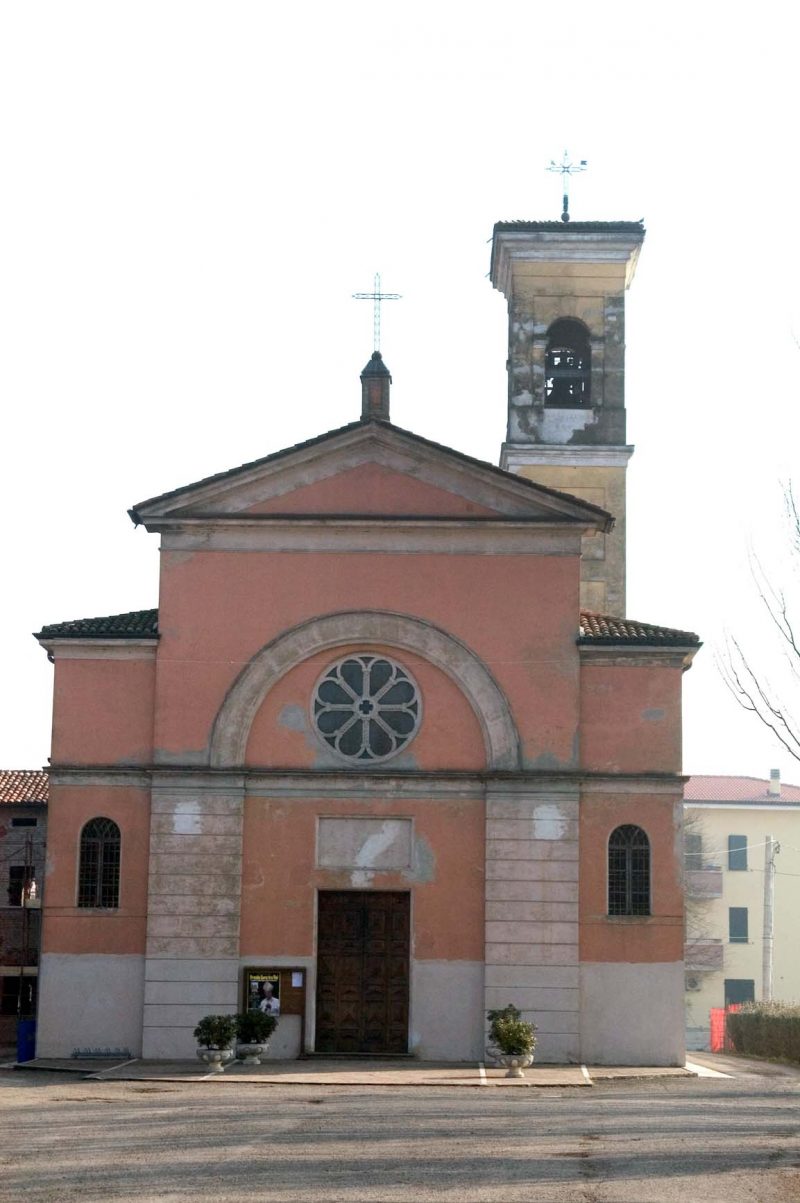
358 760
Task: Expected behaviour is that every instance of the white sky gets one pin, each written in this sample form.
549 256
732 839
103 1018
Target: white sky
193 191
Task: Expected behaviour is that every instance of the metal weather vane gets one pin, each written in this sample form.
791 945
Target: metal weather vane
567 169
376 296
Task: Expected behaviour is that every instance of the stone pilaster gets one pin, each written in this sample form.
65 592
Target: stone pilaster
194 895
532 914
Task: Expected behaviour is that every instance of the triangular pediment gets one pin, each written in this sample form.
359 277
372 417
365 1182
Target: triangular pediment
370 470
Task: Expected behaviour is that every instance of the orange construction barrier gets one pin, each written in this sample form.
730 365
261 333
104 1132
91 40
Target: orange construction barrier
719 1040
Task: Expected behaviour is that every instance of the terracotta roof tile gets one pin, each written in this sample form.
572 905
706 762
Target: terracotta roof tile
603 628
137 624
18 786
737 789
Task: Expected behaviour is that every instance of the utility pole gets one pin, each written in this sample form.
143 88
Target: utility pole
771 847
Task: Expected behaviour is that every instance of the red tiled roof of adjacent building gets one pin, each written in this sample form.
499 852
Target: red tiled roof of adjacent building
18 786
753 790
603 628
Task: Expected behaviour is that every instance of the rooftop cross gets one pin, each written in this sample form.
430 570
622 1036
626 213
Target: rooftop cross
567 169
376 296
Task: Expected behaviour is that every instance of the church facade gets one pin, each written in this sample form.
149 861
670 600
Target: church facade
388 754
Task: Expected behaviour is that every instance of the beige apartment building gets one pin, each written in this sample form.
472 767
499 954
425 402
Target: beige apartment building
742 846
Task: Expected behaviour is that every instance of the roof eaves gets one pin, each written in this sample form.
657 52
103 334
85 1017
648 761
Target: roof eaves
571 227
141 625
135 512
609 630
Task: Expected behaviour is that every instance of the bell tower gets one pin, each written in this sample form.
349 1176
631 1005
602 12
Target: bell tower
565 285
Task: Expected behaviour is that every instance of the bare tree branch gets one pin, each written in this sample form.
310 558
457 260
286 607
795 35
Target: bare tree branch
700 951
745 671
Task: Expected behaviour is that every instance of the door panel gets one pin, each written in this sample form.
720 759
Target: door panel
363 972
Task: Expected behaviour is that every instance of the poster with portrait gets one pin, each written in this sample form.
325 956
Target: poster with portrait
263 990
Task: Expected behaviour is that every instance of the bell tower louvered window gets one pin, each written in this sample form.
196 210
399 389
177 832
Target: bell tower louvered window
98 872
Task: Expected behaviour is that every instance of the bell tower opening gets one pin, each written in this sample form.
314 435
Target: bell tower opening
565 284
567 364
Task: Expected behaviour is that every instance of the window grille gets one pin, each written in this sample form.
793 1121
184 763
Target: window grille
98 874
568 362
628 871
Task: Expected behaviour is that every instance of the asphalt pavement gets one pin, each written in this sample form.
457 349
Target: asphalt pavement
657 1140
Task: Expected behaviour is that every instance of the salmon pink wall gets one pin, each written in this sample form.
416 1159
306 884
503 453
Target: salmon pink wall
371 489
517 613
658 937
280 878
450 736
630 718
68 928
103 711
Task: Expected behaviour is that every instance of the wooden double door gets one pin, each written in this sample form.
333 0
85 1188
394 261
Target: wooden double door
363 948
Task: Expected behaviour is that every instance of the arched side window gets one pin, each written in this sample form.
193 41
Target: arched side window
628 871
568 364
98 869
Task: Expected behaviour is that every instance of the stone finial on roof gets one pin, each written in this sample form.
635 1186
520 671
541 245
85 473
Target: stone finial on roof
375 383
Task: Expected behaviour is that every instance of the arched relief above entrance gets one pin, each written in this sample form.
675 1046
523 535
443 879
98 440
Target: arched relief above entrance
283 734
364 629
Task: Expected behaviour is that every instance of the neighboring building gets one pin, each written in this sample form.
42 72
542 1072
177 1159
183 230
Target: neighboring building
23 825
372 761
729 822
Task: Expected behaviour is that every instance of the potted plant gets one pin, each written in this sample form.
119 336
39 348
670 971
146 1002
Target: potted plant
512 1039
253 1030
214 1035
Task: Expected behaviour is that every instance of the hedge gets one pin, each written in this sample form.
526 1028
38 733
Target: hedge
766 1029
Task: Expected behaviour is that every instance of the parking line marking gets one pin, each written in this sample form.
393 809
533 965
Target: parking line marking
587 1078
482 1073
112 1068
703 1072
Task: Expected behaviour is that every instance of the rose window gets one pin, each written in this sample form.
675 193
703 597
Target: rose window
366 708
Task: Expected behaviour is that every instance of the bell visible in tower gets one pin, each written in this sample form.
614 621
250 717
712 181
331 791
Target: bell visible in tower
568 364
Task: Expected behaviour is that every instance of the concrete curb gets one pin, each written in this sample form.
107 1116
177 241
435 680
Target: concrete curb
339 1074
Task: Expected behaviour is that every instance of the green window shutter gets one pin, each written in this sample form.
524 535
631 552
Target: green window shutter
737 924
737 851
